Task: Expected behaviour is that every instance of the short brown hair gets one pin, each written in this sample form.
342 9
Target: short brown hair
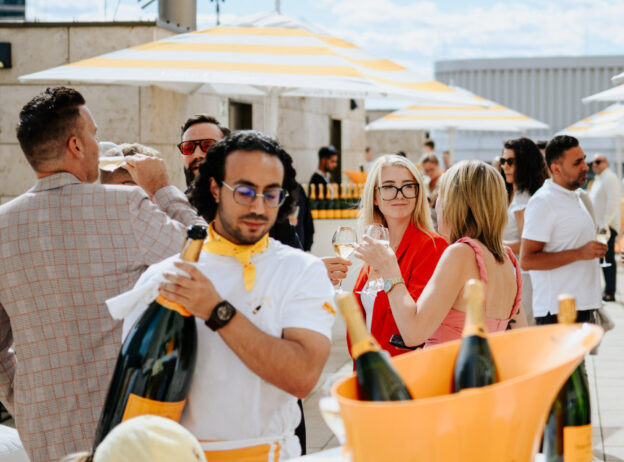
46 122
432 158
204 119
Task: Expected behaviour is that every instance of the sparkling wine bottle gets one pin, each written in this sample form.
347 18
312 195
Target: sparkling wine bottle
156 361
568 431
474 366
377 380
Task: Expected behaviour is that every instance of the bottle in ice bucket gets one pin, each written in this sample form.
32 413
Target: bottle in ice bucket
568 431
377 380
156 362
474 366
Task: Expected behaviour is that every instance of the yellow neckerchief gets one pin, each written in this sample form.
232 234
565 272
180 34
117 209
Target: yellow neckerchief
219 245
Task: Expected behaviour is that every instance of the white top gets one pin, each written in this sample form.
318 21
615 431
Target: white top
605 196
368 303
557 217
519 202
227 401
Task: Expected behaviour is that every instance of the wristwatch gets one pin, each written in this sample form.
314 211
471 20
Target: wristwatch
390 283
221 315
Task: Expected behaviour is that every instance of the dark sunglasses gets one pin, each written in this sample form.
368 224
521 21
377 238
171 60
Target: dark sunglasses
509 161
188 147
597 161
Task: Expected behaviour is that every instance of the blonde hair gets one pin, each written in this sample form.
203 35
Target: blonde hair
370 213
474 204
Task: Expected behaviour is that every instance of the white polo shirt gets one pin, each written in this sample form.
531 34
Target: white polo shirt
557 217
605 197
227 401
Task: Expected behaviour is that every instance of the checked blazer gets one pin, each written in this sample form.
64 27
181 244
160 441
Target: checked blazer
65 247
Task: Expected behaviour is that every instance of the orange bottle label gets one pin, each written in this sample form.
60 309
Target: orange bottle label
258 453
577 444
137 405
173 306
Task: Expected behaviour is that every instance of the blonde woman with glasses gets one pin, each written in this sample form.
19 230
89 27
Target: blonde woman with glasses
472 213
394 197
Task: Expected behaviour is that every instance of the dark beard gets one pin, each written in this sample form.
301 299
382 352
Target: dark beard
189 176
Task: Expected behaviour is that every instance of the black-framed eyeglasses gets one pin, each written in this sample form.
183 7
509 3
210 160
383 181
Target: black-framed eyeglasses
390 192
188 147
245 195
510 161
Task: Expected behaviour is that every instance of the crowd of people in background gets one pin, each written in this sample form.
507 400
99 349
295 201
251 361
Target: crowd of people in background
523 225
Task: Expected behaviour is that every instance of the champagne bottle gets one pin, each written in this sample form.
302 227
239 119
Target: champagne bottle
568 431
331 201
157 359
313 202
377 380
343 202
474 366
322 203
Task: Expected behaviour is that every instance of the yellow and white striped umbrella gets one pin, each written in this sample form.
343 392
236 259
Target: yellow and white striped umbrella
482 115
612 94
283 60
604 124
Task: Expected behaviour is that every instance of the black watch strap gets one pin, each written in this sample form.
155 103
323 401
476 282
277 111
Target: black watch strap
221 315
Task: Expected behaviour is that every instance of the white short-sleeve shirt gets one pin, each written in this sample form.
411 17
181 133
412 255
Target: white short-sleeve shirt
227 401
557 217
519 202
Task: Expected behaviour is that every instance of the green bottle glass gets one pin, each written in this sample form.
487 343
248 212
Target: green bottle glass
157 359
568 430
474 366
377 380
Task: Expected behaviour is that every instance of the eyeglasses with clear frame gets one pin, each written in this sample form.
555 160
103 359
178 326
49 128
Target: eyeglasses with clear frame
245 195
390 192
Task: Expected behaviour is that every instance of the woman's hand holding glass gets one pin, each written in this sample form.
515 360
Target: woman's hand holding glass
381 260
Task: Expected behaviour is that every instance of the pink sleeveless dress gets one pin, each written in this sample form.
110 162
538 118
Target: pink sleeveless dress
453 324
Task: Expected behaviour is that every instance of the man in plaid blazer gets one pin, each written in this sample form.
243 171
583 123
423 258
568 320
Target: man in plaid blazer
67 245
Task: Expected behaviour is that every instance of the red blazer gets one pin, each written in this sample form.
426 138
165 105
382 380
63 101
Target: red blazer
418 255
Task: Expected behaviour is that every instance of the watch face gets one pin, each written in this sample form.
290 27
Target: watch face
387 285
224 312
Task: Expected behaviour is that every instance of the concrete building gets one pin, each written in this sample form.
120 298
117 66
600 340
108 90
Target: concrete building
152 115
549 89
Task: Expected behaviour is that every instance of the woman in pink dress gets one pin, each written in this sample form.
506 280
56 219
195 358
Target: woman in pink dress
472 213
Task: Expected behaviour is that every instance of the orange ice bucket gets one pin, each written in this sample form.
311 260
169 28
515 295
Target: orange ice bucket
501 422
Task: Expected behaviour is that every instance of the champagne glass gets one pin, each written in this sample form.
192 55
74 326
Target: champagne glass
602 235
381 234
343 241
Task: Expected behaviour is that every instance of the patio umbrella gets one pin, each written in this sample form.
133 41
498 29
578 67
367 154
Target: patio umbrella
607 123
482 115
618 78
612 94
290 60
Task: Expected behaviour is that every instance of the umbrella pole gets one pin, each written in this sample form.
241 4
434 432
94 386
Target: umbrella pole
618 156
451 145
271 112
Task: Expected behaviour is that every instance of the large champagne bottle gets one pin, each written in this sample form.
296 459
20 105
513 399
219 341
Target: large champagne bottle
568 431
474 366
156 362
376 378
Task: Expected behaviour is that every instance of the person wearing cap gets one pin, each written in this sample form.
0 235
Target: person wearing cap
69 244
264 310
328 161
146 438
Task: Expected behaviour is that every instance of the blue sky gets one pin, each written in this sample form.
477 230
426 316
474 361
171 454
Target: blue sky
414 33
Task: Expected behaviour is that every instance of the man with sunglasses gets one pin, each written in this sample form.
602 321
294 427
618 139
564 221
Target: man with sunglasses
264 310
199 133
605 197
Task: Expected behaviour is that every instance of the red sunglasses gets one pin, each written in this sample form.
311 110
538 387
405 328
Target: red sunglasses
188 147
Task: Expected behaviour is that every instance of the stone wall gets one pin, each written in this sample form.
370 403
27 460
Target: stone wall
150 115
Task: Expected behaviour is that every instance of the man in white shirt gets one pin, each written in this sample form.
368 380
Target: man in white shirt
558 238
267 307
605 197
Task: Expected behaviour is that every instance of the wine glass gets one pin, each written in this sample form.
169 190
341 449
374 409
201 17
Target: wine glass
602 235
381 234
343 241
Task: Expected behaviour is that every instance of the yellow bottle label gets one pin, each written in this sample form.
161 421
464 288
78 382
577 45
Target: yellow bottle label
315 214
577 444
137 405
257 453
366 345
173 306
